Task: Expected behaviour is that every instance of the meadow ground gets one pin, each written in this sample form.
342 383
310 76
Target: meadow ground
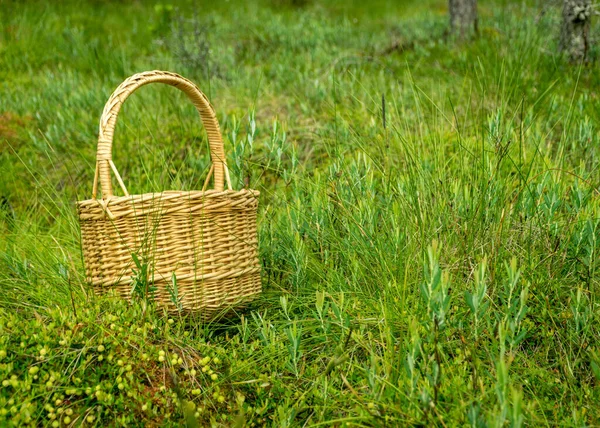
429 216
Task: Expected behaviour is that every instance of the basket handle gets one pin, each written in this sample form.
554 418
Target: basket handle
104 162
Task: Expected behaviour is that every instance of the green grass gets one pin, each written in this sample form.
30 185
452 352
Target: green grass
439 270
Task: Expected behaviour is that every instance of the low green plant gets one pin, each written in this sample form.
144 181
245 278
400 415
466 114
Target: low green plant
428 222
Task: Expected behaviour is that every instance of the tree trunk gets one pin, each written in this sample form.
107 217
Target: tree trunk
463 16
574 36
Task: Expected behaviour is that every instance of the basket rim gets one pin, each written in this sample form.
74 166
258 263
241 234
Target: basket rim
167 194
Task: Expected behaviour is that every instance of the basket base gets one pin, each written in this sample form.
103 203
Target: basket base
233 293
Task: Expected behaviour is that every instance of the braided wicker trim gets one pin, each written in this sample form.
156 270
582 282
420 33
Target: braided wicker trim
166 203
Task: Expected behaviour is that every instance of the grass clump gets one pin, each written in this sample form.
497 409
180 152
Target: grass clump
428 224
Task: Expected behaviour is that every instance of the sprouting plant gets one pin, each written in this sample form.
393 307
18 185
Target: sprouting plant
294 335
251 131
298 260
141 285
510 406
434 288
64 273
238 150
413 351
243 329
477 302
591 233
517 417
580 323
284 306
285 415
515 306
266 331
277 145
502 381
434 291
243 149
340 354
584 248
343 318
582 314
174 296
322 307
290 174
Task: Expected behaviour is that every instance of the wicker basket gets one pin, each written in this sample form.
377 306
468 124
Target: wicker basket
193 251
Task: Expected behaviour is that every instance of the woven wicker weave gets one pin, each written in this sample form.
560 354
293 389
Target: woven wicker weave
201 244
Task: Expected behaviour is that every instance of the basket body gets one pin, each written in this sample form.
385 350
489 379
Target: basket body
195 251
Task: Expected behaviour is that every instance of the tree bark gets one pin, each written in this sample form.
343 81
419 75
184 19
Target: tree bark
575 32
463 16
